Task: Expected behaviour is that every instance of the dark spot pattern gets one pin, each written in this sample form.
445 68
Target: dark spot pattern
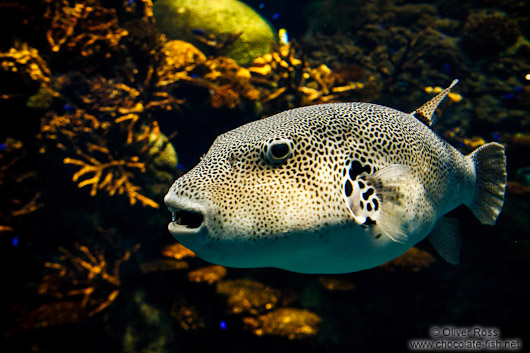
369 222
368 193
357 169
333 147
348 188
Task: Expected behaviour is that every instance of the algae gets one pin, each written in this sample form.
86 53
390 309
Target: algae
179 19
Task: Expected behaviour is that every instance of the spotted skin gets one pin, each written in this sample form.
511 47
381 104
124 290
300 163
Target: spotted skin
320 208
362 200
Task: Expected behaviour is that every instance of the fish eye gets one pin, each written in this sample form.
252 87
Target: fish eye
278 151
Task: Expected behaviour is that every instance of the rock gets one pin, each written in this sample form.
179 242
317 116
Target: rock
178 19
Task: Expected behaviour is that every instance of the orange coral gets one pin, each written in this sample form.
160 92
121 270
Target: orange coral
179 58
14 176
117 100
187 316
69 125
81 26
281 73
144 6
81 275
292 323
177 256
110 136
177 251
225 96
26 60
229 83
174 64
247 296
84 134
112 176
26 63
208 274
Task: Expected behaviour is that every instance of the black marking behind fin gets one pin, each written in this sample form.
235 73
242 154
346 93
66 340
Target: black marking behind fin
426 111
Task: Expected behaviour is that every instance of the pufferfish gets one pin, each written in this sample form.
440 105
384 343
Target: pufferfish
333 188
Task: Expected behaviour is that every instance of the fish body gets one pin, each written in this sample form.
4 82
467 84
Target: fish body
332 188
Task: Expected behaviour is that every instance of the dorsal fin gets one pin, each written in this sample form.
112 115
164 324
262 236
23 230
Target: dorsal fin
425 112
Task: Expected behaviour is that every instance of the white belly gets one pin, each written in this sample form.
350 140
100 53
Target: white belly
333 250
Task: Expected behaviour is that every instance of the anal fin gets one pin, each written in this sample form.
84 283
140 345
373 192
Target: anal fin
445 239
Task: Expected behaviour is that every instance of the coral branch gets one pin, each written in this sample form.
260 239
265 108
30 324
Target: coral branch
112 177
81 26
84 274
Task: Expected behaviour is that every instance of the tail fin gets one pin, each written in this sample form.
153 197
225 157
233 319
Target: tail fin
490 168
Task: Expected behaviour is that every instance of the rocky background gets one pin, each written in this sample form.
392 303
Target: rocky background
105 102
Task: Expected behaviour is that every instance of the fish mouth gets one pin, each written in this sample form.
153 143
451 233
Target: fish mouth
186 217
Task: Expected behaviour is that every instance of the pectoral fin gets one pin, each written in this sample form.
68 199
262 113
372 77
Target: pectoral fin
378 199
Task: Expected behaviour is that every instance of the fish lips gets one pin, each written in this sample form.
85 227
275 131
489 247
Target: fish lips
187 217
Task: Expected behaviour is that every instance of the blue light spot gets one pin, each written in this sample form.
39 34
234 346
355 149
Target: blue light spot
198 31
495 136
222 325
14 242
518 89
68 108
508 96
130 2
194 75
3 146
447 67
275 16
261 5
